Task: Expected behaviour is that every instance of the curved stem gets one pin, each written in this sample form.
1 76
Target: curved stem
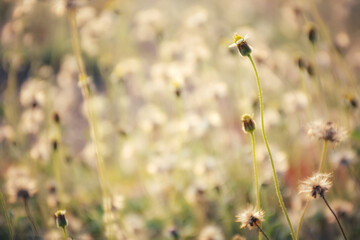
255 174
268 149
323 156
261 231
327 204
28 213
301 219
8 221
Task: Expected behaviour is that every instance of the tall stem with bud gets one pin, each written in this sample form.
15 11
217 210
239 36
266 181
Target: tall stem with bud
277 188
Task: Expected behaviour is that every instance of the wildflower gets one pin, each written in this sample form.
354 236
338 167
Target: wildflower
211 233
56 118
60 218
327 131
310 69
241 44
238 237
312 34
248 123
301 62
61 221
19 184
351 101
316 185
343 158
250 217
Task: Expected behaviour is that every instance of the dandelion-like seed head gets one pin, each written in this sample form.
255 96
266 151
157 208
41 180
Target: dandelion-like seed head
241 44
316 185
19 184
328 131
250 217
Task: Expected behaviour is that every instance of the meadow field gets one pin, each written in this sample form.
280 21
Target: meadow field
179 120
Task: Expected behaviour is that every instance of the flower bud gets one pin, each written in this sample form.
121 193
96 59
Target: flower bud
248 123
56 117
242 45
60 218
312 34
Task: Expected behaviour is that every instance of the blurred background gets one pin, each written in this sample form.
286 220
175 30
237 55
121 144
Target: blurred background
167 97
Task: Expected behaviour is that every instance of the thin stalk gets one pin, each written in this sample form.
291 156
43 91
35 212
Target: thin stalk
269 152
28 213
65 233
301 219
256 175
8 221
308 96
327 204
85 90
261 231
255 172
323 156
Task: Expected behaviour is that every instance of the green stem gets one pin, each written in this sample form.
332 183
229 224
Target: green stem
268 149
3 204
256 175
323 156
255 172
28 213
65 233
301 219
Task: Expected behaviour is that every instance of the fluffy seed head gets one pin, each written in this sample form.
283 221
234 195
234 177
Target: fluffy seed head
19 184
328 131
316 185
250 217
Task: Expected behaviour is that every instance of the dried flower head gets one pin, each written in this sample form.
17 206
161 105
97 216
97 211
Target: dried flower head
316 185
241 44
328 131
248 123
60 218
250 217
343 158
19 184
211 232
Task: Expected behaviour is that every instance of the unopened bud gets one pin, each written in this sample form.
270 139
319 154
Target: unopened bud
248 123
60 218
312 34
